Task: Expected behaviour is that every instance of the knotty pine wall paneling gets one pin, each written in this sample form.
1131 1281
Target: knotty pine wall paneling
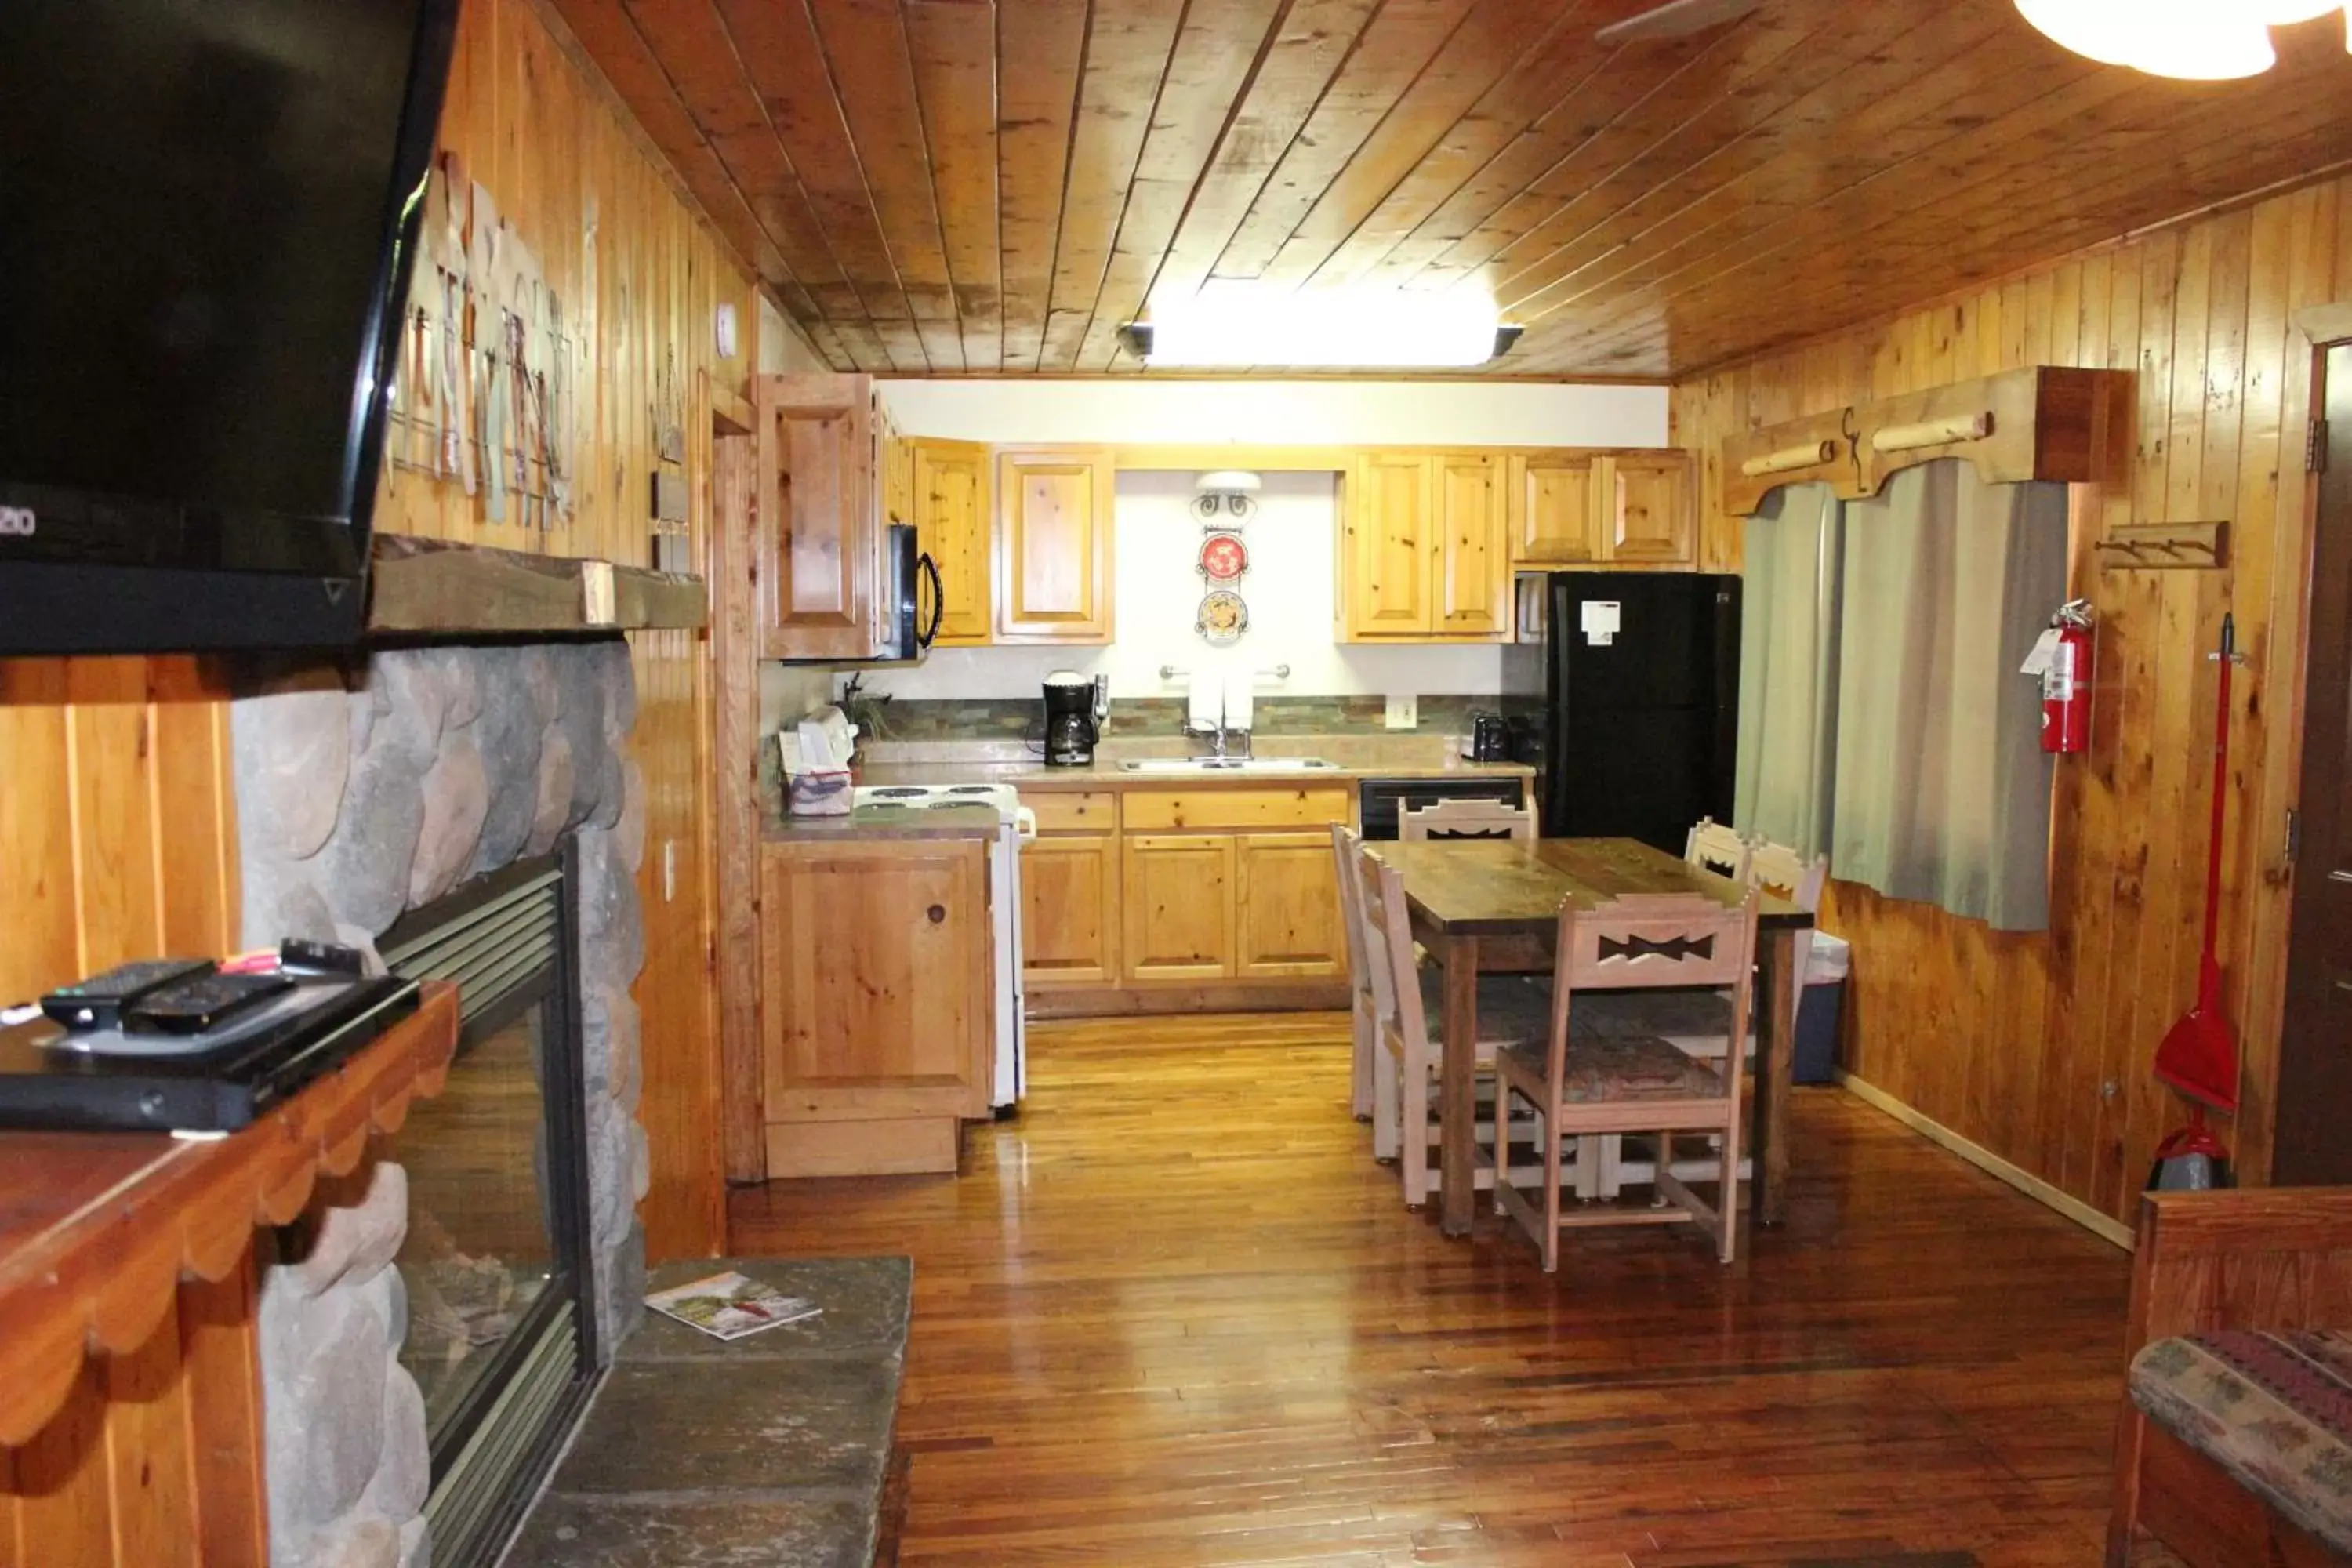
2038 1046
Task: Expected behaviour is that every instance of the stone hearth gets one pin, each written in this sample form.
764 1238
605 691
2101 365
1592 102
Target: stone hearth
362 794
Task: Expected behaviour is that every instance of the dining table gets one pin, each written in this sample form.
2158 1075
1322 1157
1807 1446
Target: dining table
1492 905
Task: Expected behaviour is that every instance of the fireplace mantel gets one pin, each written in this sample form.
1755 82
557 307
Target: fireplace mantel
431 588
99 1230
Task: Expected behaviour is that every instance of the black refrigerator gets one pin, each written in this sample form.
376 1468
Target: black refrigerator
1622 690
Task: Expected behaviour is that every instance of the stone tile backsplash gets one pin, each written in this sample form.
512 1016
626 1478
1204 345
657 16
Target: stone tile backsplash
904 718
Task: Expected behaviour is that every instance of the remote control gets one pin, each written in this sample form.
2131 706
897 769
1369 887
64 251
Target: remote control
98 1003
193 1006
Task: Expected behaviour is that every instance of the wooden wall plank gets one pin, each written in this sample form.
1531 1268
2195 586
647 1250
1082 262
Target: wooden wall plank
148 1464
2038 1046
224 1411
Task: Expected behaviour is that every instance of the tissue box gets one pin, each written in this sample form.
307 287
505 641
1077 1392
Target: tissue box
822 794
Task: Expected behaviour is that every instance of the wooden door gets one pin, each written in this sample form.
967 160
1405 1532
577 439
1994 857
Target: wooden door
1054 546
820 542
1177 894
1386 555
1287 908
1473 555
1556 518
1651 502
953 520
2315 1087
877 986
1069 910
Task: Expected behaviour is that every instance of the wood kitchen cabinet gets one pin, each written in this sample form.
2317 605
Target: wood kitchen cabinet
1287 907
1632 508
1054 544
948 485
1556 518
1424 552
877 1003
1070 910
820 530
1650 504
1179 901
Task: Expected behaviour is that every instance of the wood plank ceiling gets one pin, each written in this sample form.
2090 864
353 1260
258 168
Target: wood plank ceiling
995 187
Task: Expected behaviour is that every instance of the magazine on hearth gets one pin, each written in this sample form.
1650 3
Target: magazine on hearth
729 1306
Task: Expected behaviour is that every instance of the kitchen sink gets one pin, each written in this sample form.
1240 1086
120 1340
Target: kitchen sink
1224 765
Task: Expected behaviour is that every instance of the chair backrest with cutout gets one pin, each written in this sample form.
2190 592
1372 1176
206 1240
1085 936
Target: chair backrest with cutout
1388 933
1713 846
1466 819
1346 850
1785 874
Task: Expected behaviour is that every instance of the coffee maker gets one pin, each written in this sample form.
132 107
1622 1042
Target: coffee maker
1076 708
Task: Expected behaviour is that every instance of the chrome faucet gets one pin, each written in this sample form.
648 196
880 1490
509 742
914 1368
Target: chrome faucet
1221 741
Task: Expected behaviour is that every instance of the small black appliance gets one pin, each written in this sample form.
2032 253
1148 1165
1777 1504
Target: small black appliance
1074 710
1490 739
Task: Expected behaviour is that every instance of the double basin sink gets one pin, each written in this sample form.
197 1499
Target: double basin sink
1183 766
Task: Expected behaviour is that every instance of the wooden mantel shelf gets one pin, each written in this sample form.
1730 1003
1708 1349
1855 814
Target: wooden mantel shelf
434 587
98 1229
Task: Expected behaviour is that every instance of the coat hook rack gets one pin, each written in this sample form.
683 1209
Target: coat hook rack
2165 546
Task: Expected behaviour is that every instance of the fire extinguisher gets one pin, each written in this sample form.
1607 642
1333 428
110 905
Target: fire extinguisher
2067 681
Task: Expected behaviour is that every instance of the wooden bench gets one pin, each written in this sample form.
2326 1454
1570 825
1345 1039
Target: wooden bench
2213 1270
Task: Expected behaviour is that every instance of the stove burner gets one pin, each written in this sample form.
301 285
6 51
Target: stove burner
901 792
970 789
888 805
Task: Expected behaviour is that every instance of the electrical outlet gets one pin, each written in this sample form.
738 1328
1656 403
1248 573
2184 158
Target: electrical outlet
1405 712
669 870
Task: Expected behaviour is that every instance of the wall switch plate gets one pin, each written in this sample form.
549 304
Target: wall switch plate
669 870
1403 712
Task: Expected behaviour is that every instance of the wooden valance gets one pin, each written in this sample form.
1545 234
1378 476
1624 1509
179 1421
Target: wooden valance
2045 422
98 1229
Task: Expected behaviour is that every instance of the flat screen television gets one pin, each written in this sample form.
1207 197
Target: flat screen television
207 209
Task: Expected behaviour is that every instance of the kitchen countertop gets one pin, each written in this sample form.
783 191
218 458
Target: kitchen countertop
1353 757
872 822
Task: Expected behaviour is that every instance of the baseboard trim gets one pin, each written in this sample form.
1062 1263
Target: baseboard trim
2101 1226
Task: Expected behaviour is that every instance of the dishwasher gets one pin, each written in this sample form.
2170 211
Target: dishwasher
1380 802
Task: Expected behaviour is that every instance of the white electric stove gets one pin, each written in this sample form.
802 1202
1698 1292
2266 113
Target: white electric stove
1018 825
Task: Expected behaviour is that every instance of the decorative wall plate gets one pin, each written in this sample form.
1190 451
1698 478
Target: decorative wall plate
1223 618
1224 509
1223 558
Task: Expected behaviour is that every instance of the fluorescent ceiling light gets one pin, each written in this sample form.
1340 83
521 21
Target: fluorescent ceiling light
2196 40
1397 329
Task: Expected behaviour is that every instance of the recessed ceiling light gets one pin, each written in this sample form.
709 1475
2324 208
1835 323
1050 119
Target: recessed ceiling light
2195 40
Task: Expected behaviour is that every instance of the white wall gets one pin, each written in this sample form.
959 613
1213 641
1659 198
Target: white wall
1290 588
1294 413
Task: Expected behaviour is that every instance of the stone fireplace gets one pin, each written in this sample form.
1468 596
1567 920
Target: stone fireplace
427 806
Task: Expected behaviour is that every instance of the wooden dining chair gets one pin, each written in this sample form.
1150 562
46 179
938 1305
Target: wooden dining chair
1409 1009
1581 1083
1785 874
1467 819
1346 845
1712 846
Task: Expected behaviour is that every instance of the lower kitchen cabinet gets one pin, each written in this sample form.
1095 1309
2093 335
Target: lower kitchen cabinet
1288 907
1069 911
1179 902
877 1003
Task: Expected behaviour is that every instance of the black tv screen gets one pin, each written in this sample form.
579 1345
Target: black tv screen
207 208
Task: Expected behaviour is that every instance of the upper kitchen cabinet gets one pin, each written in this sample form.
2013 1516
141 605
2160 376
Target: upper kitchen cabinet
949 486
820 531
1652 508
1054 544
1424 552
1556 518
1571 507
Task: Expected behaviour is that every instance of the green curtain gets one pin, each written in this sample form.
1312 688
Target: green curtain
1789 668
1883 717
1942 789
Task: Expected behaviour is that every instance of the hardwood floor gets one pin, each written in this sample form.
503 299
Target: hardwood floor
1175 1315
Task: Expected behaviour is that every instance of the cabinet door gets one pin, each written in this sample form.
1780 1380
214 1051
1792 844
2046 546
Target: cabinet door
950 485
1652 495
1178 899
1386 555
1069 911
1473 555
1556 510
1288 907
820 541
877 989
1054 546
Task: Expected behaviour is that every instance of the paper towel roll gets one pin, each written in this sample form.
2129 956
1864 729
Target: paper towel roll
1241 700
1205 707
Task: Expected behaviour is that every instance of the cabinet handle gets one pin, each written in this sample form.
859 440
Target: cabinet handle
936 913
